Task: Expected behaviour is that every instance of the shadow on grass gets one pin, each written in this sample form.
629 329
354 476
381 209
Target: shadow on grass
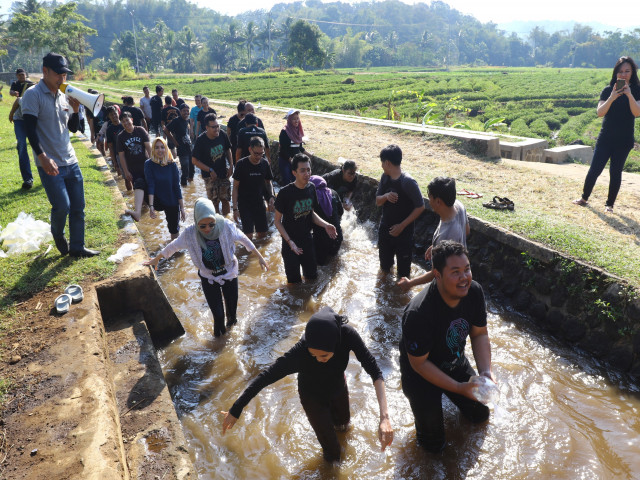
621 223
36 278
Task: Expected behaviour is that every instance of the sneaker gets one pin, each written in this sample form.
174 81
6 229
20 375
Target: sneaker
27 185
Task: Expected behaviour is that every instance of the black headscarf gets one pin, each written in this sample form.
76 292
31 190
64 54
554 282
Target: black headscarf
323 330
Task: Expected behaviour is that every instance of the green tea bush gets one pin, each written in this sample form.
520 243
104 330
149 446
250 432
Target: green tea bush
520 127
540 128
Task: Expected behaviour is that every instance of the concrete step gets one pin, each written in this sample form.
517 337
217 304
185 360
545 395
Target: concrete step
581 153
154 444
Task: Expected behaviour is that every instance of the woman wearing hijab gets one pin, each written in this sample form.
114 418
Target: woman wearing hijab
330 210
290 144
163 186
320 359
211 245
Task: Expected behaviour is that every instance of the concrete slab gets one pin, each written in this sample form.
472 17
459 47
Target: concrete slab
532 150
582 153
510 150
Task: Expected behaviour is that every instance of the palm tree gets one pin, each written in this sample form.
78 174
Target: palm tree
249 40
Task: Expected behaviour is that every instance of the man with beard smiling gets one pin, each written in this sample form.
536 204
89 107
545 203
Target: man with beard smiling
435 327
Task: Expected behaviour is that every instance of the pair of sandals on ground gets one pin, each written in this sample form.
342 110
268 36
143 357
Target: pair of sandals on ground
72 294
498 203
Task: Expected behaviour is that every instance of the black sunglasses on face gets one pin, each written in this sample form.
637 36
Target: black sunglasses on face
205 225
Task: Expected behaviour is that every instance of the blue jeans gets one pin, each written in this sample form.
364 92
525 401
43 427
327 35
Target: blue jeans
20 129
65 192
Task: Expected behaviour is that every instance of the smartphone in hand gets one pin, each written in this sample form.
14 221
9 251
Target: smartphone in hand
620 84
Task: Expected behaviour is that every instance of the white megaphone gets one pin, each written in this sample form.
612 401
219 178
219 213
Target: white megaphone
92 101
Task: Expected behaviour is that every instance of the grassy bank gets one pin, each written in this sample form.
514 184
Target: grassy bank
27 275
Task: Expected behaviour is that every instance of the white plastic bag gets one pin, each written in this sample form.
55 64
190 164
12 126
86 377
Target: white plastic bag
126 250
485 390
25 235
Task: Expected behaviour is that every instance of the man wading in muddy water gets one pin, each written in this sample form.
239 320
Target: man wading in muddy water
435 326
294 217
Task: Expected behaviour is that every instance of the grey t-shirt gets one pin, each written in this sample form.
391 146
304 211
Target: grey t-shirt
454 229
52 112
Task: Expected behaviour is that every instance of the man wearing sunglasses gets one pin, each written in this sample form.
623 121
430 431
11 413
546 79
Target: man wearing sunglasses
212 155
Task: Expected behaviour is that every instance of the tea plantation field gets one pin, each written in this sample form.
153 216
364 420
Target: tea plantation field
556 104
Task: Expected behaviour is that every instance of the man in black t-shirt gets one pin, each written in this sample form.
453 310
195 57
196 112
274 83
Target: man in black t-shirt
156 110
401 200
232 127
212 155
251 186
249 108
136 113
176 99
134 149
294 217
435 327
344 181
206 110
178 131
247 133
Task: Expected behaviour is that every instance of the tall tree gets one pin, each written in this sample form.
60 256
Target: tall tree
304 45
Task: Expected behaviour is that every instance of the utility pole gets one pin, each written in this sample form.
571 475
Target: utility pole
135 41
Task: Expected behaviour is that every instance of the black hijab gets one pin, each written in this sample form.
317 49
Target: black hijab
323 330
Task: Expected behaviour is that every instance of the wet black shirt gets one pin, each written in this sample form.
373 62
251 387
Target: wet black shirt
296 206
409 198
252 188
322 380
336 181
136 114
430 326
213 153
179 128
246 134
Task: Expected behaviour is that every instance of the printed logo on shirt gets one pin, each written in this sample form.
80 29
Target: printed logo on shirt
134 145
456 336
302 208
216 152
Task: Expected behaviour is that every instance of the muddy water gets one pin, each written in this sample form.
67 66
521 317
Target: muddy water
560 415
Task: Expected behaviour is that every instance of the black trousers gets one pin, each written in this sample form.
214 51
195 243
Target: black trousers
324 416
293 262
400 248
214 293
425 400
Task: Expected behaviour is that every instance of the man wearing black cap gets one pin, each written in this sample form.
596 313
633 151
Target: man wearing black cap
247 133
48 119
17 90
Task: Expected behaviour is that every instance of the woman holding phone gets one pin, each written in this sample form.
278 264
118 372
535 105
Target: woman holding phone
619 105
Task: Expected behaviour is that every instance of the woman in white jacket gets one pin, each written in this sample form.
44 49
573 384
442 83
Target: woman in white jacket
211 243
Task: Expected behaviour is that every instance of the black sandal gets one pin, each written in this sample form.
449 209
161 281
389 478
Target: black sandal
496 204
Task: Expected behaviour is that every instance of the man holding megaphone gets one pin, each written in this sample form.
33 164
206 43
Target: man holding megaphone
49 116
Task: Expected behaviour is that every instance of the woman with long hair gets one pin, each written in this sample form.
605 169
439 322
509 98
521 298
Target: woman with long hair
163 186
619 105
211 242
